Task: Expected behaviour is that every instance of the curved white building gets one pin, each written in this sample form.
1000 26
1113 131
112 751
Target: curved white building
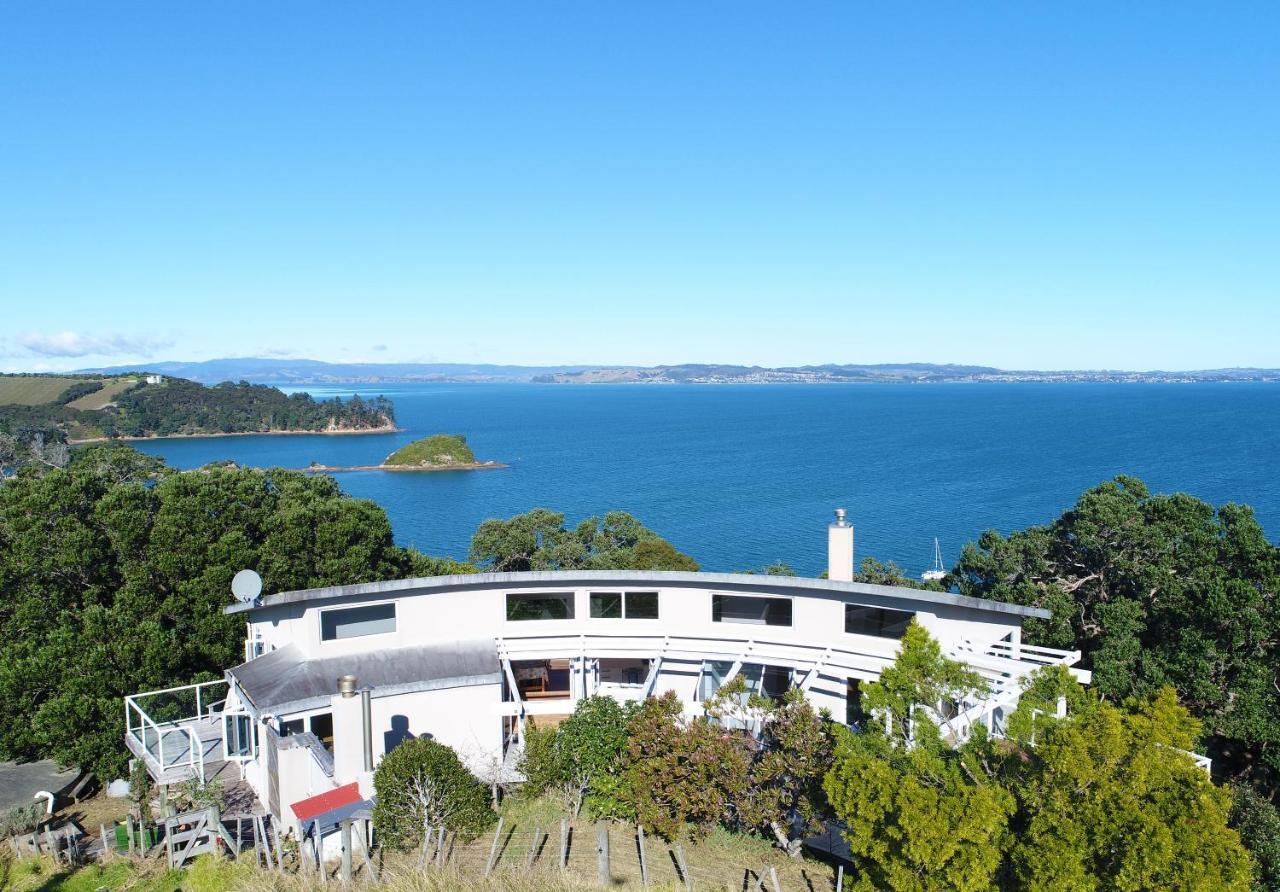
473 660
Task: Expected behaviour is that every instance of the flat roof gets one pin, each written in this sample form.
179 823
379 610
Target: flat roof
286 681
746 582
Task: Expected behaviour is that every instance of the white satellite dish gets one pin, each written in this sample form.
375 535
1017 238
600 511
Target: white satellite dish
246 585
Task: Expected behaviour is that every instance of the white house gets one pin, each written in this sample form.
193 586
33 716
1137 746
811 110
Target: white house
335 677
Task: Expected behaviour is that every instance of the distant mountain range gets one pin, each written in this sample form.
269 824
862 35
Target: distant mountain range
310 371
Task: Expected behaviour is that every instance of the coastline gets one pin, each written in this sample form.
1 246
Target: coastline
410 469
387 429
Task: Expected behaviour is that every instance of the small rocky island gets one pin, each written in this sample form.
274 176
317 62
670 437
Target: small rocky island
439 452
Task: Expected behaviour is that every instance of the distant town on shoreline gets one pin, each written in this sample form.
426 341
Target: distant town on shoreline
308 371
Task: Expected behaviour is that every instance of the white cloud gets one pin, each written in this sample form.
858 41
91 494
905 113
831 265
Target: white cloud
71 343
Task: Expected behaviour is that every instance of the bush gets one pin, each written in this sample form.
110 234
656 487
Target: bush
1258 823
682 775
421 784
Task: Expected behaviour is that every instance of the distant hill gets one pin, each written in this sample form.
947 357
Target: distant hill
312 371
302 372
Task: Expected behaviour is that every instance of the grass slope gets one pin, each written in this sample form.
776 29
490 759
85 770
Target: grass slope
439 449
35 390
110 390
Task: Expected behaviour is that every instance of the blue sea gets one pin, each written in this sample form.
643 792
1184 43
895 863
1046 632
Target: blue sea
742 476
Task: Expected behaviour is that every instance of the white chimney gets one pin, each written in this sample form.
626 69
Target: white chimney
840 549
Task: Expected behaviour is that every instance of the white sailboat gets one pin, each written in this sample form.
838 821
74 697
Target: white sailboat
938 571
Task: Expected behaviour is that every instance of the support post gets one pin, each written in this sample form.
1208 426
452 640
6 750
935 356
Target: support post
345 829
773 875
602 853
279 847
106 849
493 849
168 844
839 878
564 843
533 846
644 864
370 871
684 868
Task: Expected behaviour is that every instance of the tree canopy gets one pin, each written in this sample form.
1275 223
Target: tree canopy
1105 798
115 571
1156 590
539 540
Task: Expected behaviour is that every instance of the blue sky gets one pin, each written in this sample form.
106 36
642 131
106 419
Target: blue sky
1025 185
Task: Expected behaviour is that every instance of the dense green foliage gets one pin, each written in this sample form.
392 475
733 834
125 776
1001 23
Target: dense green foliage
438 449
1156 590
579 758
538 540
787 760
183 407
1101 799
114 572
423 784
1258 823
682 775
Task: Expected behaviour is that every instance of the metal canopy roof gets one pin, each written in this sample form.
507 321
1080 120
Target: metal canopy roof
745 582
286 681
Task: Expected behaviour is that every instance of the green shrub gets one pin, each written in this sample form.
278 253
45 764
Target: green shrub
421 784
1258 823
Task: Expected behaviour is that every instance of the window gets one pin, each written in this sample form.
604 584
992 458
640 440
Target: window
291 727
876 621
322 727
624 605
355 622
539 606
752 611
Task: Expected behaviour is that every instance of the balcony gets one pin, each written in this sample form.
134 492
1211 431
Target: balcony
178 732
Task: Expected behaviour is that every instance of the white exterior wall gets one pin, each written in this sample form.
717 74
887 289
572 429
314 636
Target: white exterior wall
469 718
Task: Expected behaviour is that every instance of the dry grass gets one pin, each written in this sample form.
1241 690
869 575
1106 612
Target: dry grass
91 814
24 390
110 390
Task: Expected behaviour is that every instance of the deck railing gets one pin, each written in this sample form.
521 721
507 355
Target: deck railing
191 703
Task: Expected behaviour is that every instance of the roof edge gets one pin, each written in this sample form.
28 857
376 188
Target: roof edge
666 578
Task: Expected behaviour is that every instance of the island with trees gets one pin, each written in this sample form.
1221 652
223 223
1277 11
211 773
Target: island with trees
438 452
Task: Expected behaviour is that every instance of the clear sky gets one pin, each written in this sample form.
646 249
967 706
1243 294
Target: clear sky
1028 185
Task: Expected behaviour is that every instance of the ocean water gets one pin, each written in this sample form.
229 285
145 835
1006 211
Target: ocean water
741 476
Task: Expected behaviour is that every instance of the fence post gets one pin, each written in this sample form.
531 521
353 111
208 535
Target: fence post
839 878
602 853
564 843
493 849
760 879
684 867
346 850
370 870
168 844
773 875
260 836
279 846
533 846
644 864
106 850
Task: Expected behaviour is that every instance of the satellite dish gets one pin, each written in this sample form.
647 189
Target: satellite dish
246 585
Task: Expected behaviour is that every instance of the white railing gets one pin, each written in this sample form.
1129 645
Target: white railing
151 735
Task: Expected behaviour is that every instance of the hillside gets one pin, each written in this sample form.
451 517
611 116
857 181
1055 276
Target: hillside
308 371
40 415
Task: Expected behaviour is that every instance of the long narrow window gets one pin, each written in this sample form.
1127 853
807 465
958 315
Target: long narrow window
355 622
539 606
877 621
751 611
